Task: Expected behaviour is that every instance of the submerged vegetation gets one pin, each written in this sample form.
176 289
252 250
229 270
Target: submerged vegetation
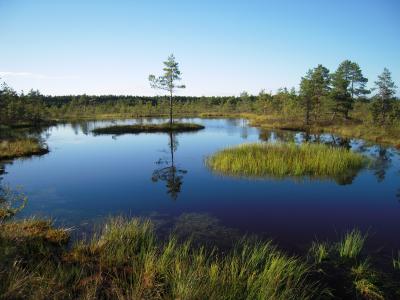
281 160
350 273
19 148
150 128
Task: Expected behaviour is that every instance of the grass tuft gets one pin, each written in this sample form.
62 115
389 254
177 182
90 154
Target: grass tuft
352 244
21 148
368 290
282 160
149 128
319 251
396 261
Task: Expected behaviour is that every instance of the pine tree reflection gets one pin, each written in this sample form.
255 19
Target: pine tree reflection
382 163
170 173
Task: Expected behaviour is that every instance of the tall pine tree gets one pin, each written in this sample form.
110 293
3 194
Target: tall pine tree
348 84
313 88
382 105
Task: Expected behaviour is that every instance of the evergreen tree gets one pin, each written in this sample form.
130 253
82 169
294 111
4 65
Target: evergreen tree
357 82
340 94
313 88
348 84
168 81
383 105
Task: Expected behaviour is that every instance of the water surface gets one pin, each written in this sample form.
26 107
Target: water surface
87 178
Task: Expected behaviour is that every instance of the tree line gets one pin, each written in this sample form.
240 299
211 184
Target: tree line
340 90
322 97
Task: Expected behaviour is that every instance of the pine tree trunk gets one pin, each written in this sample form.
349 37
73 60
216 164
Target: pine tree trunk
170 108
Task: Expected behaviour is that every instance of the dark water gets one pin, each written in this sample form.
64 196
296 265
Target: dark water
86 178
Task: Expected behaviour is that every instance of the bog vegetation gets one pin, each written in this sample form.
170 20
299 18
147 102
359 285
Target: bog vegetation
154 128
286 159
21 147
126 260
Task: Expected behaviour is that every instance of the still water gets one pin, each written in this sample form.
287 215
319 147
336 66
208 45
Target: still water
86 178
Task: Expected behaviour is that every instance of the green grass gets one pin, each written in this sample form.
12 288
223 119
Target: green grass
20 148
396 261
351 244
126 261
319 252
368 290
149 128
282 160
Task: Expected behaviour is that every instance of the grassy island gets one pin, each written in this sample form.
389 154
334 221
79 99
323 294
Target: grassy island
149 128
281 160
20 148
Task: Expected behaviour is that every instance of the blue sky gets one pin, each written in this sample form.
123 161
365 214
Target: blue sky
223 47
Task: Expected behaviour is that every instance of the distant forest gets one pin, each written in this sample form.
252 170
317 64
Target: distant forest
322 97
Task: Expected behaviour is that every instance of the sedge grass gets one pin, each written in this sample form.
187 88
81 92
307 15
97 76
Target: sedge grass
282 160
20 148
149 128
125 261
368 290
396 261
319 251
352 244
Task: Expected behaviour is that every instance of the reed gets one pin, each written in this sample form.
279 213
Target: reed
282 160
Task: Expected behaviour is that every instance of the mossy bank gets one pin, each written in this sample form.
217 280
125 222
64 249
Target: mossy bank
10 149
149 128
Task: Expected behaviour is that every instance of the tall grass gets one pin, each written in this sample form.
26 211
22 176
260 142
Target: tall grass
352 244
280 160
125 261
396 261
18 148
319 252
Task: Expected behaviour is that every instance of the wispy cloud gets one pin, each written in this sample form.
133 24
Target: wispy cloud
34 75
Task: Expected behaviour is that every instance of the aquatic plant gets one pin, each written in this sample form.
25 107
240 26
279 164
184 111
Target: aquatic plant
368 290
362 270
149 128
281 160
351 244
319 251
396 261
18 148
11 202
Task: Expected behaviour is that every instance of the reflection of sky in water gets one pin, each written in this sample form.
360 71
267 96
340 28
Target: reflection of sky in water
87 177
